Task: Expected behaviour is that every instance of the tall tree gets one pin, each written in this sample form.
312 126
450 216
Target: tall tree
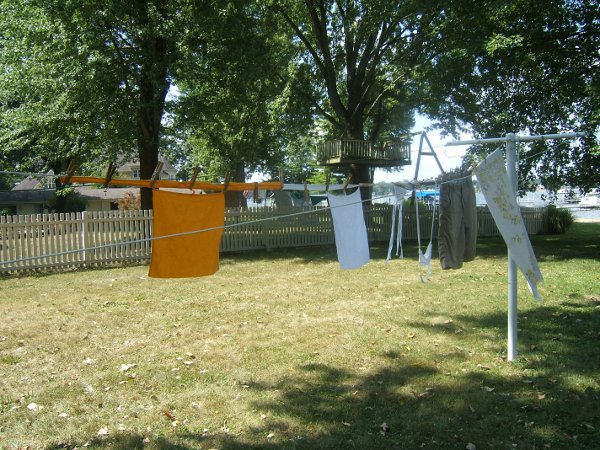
523 66
508 65
224 109
92 78
358 58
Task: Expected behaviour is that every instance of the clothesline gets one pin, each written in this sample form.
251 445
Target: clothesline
28 174
321 187
186 233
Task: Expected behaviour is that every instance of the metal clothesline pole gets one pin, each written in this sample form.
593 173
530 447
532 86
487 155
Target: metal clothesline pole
512 162
513 298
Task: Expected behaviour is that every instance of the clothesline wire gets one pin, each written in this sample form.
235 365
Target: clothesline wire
29 174
415 185
184 233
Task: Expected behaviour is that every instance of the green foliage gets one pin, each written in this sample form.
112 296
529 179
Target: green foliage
321 176
259 82
66 199
227 114
522 66
57 88
8 211
353 63
560 220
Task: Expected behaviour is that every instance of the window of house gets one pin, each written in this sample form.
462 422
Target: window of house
135 173
48 183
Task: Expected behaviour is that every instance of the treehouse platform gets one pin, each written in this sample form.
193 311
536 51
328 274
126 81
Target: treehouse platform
343 152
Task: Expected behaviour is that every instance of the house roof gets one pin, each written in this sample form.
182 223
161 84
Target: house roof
36 196
105 194
127 166
21 196
30 183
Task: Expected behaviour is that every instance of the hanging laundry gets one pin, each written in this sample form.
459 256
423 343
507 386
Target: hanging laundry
425 258
399 194
349 229
190 255
425 261
501 199
283 199
457 234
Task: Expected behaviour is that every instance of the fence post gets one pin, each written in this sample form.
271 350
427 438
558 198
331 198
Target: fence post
266 234
84 239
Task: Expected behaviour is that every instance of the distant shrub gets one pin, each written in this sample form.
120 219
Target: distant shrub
560 220
129 202
66 200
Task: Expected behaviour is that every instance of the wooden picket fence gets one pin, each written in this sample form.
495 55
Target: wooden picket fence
52 242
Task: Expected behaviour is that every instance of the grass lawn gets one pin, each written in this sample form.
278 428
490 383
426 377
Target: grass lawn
284 350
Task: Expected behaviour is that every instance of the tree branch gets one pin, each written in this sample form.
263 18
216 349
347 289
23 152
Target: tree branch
298 32
320 30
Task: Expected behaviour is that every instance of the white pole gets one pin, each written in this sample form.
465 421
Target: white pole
511 169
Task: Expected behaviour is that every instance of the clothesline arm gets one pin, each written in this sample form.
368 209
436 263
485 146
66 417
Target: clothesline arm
232 186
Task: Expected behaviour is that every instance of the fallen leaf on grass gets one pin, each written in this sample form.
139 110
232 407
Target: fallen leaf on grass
102 432
346 424
488 389
168 414
471 446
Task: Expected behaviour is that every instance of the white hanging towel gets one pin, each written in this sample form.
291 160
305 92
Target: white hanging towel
349 229
399 194
501 199
425 258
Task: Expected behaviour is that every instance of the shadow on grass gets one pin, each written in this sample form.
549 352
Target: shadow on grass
546 399
122 441
582 241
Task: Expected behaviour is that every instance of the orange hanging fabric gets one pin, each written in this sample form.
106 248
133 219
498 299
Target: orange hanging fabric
191 255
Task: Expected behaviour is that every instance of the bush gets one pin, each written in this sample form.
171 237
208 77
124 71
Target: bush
560 220
66 200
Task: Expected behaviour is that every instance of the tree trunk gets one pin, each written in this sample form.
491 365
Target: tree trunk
154 85
60 205
236 199
361 173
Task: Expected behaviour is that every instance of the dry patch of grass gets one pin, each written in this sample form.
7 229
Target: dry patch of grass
285 350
